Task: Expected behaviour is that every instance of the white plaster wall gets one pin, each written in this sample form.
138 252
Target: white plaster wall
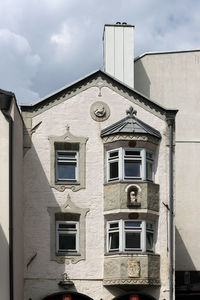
172 79
87 274
118 52
4 208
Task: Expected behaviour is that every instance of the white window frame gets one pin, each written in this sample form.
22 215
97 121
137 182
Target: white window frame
122 236
65 231
121 164
67 160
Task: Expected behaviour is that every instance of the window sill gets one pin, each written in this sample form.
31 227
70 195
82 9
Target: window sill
68 254
129 253
128 181
67 182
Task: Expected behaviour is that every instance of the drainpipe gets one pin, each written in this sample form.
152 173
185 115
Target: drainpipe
5 102
170 122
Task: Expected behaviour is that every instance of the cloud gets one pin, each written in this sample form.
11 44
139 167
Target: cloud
18 65
50 43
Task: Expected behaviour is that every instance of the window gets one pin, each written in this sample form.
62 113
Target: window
66 237
67 161
66 165
130 164
67 232
129 236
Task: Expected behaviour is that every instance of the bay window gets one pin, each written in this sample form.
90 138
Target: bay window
130 164
130 236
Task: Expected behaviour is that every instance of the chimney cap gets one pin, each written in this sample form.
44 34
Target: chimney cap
118 24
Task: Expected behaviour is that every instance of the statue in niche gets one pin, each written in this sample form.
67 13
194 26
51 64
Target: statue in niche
132 194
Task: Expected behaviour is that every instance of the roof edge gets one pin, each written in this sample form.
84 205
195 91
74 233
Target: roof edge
165 52
30 107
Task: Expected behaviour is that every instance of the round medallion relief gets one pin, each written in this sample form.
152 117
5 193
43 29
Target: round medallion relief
99 111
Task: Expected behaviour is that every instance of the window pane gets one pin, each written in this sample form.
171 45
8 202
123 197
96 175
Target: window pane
132 240
132 153
131 224
114 225
67 171
114 170
149 155
149 241
67 155
132 168
67 242
149 170
113 154
67 226
113 240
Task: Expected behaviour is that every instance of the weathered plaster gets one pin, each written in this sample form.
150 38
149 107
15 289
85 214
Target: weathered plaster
117 269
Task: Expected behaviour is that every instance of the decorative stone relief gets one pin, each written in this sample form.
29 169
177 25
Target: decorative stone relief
139 281
128 137
133 268
67 211
132 196
99 111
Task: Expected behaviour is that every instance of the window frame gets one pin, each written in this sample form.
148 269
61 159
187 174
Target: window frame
142 229
80 142
76 232
76 160
123 157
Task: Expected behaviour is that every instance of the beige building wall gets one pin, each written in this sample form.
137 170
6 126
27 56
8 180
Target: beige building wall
172 80
4 208
41 274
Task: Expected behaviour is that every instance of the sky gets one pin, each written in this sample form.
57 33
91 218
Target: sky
47 44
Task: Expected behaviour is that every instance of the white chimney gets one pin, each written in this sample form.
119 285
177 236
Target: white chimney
118 52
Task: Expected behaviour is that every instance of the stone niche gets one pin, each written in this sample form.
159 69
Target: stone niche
116 196
132 269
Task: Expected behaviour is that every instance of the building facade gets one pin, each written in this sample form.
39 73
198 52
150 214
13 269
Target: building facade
97 214
96 179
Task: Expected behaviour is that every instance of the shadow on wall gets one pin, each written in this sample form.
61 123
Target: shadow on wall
4 265
141 80
38 196
182 256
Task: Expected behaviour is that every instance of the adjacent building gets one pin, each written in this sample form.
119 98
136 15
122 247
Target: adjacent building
172 78
11 195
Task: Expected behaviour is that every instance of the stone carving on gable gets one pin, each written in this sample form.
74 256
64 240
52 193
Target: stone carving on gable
99 111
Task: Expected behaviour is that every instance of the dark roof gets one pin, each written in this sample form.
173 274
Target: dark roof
130 125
